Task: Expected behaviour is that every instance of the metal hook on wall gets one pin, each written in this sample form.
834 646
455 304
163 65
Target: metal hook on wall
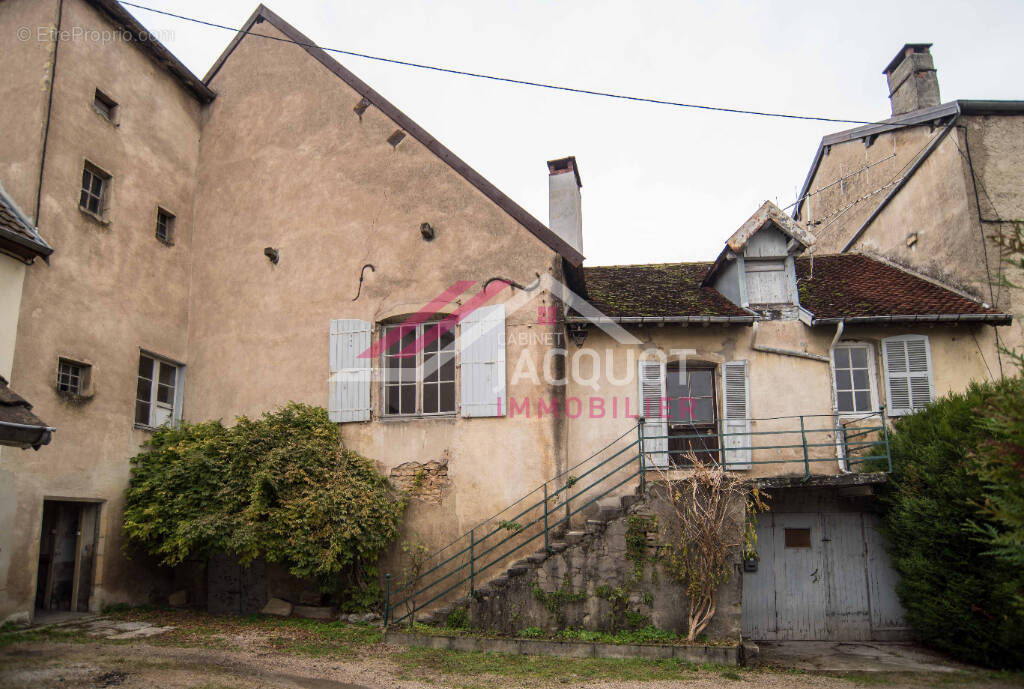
362 273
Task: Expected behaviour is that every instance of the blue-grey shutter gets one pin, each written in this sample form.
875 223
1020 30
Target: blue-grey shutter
908 373
652 394
737 440
349 388
482 349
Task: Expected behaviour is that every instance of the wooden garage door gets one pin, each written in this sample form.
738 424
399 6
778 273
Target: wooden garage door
821 577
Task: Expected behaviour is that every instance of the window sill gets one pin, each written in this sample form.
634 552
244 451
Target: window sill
415 417
165 242
105 222
143 427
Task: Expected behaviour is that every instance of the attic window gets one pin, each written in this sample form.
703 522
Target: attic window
396 138
766 281
105 105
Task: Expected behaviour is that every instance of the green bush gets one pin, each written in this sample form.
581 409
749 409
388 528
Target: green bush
960 595
278 488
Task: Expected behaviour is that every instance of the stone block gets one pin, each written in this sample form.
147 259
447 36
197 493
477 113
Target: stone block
276 606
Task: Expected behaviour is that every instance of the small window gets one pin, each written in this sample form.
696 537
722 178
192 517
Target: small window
767 281
105 105
419 370
164 226
798 538
853 366
157 394
73 377
95 188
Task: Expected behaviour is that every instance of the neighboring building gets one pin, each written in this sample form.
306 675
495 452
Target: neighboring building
279 231
927 189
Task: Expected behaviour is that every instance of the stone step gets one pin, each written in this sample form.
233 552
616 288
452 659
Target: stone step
539 557
499 581
558 546
518 570
595 526
574 537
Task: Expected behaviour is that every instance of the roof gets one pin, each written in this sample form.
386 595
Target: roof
910 119
833 287
18 236
18 425
518 213
767 214
658 291
161 55
854 287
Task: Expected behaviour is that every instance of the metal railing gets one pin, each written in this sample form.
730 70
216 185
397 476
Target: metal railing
489 547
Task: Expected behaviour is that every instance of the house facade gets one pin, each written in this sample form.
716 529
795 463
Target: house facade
278 230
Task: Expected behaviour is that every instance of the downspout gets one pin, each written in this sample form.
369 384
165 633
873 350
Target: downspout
840 327
899 185
49 110
786 352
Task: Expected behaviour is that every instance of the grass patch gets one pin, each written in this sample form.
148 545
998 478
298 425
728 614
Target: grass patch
8 638
645 635
474 663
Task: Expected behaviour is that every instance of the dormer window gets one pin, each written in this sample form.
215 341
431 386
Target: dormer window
767 281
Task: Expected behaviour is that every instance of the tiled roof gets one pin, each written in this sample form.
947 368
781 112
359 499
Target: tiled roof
17 235
14 409
660 290
847 286
852 286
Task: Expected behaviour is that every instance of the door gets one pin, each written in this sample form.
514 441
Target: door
233 589
67 555
821 576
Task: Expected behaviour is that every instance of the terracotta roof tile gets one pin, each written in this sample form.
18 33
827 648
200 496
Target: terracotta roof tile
14 409
666 289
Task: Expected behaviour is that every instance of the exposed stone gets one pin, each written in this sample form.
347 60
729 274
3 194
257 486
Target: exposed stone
178 599
276 606
423 481
315 612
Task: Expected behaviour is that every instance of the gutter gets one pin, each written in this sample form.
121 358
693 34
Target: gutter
993 318
662 320
903 182
27 434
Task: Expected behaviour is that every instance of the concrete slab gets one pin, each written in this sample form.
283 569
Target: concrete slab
855 656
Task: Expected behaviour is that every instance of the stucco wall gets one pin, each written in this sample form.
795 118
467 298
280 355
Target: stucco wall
12 275
109 290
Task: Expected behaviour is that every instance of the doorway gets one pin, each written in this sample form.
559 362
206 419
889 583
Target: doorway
67 555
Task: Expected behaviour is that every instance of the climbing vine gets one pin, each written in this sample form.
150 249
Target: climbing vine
554 601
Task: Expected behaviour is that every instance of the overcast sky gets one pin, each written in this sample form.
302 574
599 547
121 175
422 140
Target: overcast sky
659 183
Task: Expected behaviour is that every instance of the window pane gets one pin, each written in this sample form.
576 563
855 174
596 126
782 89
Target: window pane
704 411
391 394
430 398
863 400
408 399
392 370
94 205
700 383
430 333
167 372
845 401
859 357
142 413
430 368
447 397
86 178
164 394
97 186
842 357
860 379
448 339
843 381
448 368
144 390
145 367
83 200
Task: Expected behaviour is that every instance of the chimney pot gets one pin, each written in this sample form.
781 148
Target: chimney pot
911 75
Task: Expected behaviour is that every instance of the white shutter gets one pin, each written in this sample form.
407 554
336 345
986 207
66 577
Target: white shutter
908 373
737 440
482 346
652 394
349 388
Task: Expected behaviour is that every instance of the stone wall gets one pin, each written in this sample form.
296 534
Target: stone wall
595 580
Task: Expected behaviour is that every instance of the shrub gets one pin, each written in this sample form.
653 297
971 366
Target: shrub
278 488
959 594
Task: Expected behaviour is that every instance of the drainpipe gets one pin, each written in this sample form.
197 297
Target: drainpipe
789 352
49 112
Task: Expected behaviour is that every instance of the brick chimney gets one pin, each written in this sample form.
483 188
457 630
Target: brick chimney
913 84
565 204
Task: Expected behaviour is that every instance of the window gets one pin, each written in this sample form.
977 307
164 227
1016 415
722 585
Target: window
767 281
73 377
105 105
691 412
798 538
164 226
419 370
908 373
95 186
157 392
853 372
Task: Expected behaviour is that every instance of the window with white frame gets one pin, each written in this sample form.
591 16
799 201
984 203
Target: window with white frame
419 370
157 392
853 368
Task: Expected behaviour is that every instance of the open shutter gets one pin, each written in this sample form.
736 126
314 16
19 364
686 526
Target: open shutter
349 394
737 440
652 396
482 345
908 373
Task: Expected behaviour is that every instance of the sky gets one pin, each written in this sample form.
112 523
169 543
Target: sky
660 183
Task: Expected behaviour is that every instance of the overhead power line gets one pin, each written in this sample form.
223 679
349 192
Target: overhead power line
507 80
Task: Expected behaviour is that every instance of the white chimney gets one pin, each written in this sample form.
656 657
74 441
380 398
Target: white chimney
565 205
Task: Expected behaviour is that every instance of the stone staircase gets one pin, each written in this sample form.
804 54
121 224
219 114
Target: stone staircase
597 517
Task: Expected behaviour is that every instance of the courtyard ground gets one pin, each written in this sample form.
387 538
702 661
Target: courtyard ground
180 649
